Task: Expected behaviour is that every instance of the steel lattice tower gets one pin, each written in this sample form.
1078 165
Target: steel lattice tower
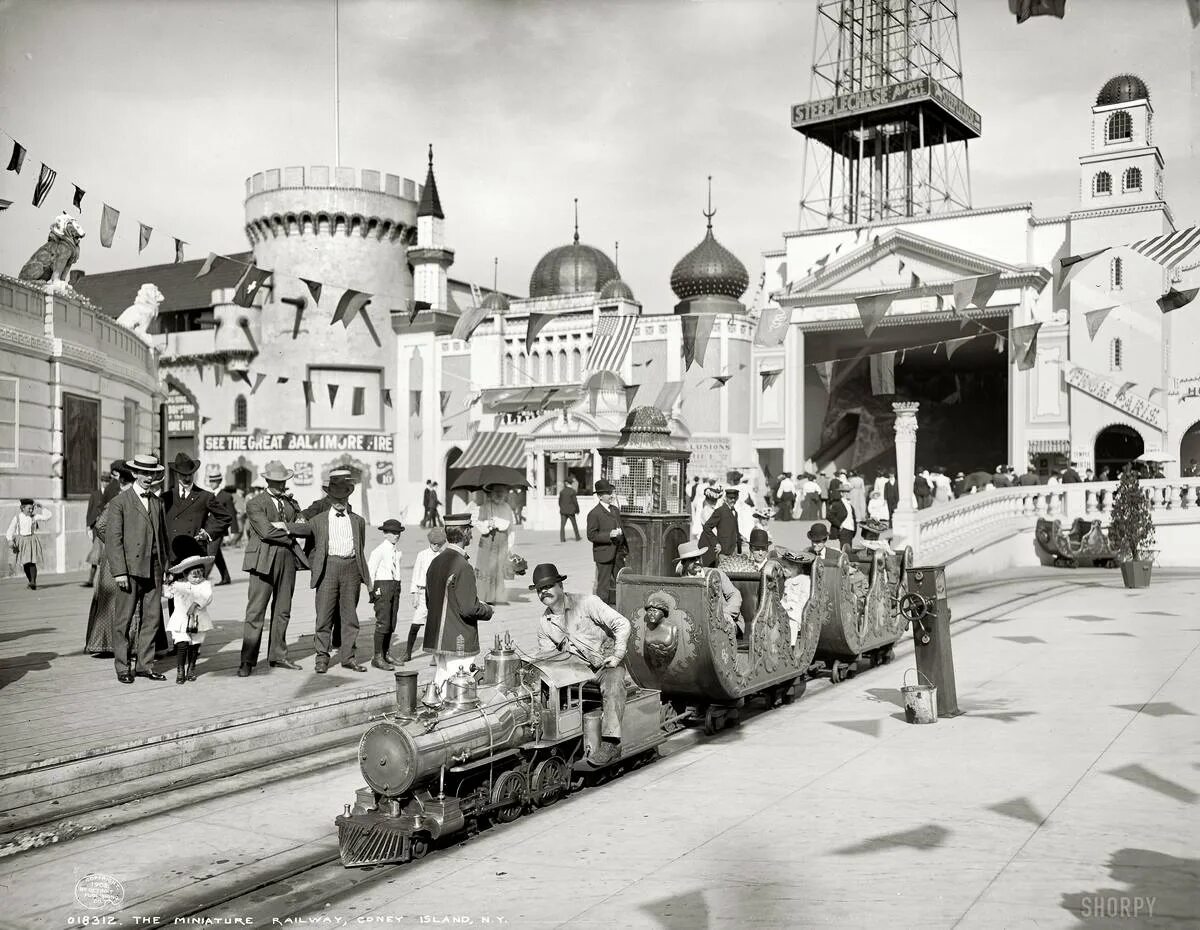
886 129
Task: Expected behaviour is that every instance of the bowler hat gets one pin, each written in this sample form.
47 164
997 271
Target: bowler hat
759 539
184 464
276 472
691 550
545 575
146 464
392 526
603 486
818 532
117 465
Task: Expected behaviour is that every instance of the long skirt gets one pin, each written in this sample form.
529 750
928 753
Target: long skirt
810 507
102 612
492 568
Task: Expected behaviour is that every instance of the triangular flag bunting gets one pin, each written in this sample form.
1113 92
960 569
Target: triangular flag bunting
537 322
769 376
366 318
1024 9
977 290
258 380
953 345
200 372
1194 11
108 226
17 160
872 309
1070 266
348 306
883 373
668 394
825 373
219 374
772 328
999 343
205 420
282 380
468 321
77 199
444 398
630 393
308 392
179 244
387 397
250 284
1125 388
721 380
45 181
245 325
240 376
1023 348
314 288
1173 299
144 232
208 265
1095 319
414 309
296 322
4 204
1153 391
333 391
446 427
696 330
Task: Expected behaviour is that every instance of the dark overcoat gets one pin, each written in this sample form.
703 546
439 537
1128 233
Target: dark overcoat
600 523
453 602
200 510
265 543
724 526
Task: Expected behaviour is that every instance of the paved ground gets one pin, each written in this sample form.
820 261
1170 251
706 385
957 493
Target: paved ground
1065 796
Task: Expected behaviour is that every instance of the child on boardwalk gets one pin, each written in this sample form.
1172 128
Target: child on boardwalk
437 539
23 538
383 565
192 593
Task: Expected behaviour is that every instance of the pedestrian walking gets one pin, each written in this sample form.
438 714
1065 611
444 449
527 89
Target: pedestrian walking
339 568
453 605
420 571
786 495
96 504
607 536
568 509
191 593
841 518
383 585
891 495
428 513
810 498
23 539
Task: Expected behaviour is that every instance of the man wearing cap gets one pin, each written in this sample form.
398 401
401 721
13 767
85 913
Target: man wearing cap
723 523
452 602
583 625
383 586
690 556
607 536
339 569
96 503
137 549
190 510
273 521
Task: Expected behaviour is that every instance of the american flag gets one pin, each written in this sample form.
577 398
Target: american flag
610 342
1170 249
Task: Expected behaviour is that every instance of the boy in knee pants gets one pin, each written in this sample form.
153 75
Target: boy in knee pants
384 566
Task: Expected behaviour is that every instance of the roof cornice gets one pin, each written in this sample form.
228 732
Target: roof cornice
906 220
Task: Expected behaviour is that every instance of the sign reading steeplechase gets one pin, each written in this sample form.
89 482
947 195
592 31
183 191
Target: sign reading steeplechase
1102 389
300 442
877 98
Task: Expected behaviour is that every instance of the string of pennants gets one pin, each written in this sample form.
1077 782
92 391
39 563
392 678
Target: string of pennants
1026 9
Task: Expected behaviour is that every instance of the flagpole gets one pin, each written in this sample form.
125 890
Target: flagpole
337 125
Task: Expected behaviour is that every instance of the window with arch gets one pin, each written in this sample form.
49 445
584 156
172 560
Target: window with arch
240 415
1102 183
522 368
1120 127
564 372
1132 179
1115 351
510 371
576 364
1116 275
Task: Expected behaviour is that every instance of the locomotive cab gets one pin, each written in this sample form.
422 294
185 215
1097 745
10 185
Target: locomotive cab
562 679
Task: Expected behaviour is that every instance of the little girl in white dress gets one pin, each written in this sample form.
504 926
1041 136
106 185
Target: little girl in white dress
192 592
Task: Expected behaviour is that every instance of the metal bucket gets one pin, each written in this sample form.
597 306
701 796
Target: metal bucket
920 700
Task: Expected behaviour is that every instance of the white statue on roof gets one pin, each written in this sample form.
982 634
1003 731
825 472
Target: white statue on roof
141 314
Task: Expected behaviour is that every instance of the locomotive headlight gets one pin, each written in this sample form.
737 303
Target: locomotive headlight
387 756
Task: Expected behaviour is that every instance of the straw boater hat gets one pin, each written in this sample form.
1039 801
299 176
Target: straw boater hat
189 554
874 529
276 472
690 550
338 475
145 464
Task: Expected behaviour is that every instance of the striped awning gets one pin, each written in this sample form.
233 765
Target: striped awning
505 449
1049 446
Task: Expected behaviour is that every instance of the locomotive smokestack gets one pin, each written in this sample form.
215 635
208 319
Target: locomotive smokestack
406 693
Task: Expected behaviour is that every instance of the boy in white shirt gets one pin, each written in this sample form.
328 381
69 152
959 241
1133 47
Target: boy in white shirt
437 539
383 565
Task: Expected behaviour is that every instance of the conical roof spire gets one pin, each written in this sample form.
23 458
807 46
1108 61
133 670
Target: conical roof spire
431 204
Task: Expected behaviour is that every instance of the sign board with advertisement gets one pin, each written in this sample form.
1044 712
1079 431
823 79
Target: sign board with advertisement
1099 387
710 456
880 98
181 414
300 442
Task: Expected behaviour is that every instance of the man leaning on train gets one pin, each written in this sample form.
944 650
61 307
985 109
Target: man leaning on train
585 626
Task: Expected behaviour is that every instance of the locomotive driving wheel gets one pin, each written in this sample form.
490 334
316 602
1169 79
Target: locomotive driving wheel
551 781
418 846
507 797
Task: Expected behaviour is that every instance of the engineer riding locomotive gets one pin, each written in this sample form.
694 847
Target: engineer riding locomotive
584 626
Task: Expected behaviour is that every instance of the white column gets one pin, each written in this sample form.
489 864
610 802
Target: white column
904 524
793 400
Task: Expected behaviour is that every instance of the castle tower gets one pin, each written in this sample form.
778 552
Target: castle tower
1124 166
347 229
885 128
429 257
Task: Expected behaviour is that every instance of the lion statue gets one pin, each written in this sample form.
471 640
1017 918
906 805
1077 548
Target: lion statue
140 316
52 263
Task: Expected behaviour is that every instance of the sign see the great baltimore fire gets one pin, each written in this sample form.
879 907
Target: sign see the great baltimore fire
300 442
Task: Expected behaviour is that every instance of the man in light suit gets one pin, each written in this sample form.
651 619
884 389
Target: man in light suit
607 536
339 570
273 521
137 550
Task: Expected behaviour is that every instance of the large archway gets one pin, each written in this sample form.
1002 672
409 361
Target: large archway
1116 447
1189 452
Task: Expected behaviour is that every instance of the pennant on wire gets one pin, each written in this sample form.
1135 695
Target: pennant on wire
239 375
108 226
296 321
1024 9
668 394
77 199
1155 390
537 322
1070 266
314 288
414 309
387 397
914 281
772 328
444 399
144 232
648 362
721 380
358 402
45 181
208 264
258 380
1169 249
17 159
696 330
976 290
872 310
333 392
1023 347
999 343
219 374
883 373
469 321
179 244
308 393
1095 319
282 380
366 318
4 204
1173 299
250 284
953 345
200 372
769 376
446 427
204 421
1194 10
1125 389
631 391
825 373
348 306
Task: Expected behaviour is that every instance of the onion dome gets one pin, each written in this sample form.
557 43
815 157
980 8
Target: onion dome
1124 88
431 204
616 289
572 269
495 302
710 269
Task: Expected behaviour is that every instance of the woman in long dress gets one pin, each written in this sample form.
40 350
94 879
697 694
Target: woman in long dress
858 496
104 595
494 523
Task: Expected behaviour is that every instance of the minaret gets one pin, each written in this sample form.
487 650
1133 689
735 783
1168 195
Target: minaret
1124 166
429 257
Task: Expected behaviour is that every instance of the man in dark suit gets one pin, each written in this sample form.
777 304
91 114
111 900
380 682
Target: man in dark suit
922 489
723 524
1070 475
338 561
891 494
455 611
189 510
1002 479
224 496
607 536
137 550
1029 479
273 521
96 504
427 504
568 509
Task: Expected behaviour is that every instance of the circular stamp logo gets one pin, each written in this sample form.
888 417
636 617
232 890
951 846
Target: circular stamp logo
97 890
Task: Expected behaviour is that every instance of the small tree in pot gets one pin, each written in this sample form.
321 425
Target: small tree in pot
1131 530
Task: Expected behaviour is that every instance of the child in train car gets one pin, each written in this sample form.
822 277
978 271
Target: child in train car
762 521
23 539
437 539
191 593
877 508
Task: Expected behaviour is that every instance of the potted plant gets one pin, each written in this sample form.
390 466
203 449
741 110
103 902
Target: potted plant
1131 530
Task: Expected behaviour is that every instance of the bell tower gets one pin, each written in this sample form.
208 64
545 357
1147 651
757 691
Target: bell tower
1124 166
429 257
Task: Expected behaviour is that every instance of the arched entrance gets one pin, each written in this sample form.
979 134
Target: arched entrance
242 474
1116 447
1189 452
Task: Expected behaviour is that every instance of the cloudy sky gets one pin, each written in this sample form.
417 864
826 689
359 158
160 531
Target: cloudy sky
163 109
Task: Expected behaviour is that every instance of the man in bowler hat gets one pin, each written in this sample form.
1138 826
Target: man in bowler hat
190 510
607 536
339 570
